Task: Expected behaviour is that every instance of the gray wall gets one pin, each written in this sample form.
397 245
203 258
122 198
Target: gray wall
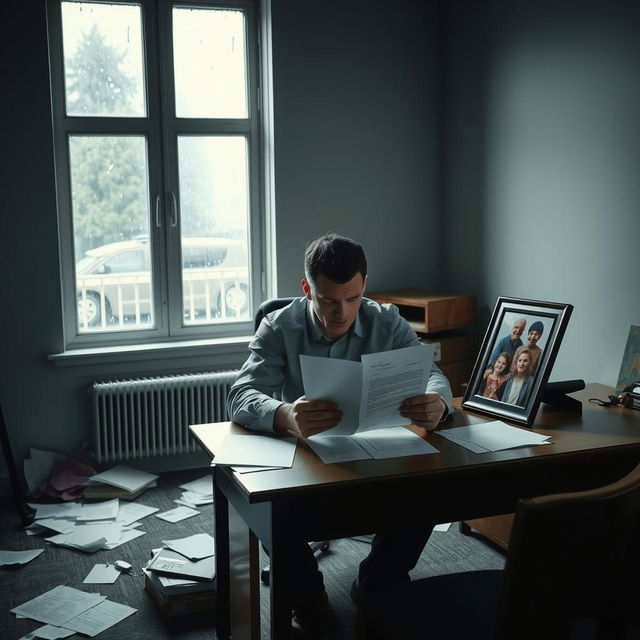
355 151
542 164
356 135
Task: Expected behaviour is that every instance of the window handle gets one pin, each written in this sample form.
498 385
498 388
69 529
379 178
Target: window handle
174 207
158 219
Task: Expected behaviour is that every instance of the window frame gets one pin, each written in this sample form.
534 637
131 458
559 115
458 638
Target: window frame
161 129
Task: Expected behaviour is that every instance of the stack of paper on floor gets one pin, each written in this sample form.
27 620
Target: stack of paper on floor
89 527
197 492
179 578
119 482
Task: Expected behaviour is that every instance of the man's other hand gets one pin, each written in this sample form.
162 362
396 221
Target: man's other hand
426 410
304 417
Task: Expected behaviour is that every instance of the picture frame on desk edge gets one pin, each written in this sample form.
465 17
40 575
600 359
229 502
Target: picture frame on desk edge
553 317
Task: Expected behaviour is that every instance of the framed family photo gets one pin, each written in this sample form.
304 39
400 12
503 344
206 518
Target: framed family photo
516 358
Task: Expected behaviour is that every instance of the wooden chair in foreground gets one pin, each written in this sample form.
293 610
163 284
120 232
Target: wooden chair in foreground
571 573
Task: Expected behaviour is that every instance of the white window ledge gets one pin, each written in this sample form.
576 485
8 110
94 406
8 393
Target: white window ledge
151 351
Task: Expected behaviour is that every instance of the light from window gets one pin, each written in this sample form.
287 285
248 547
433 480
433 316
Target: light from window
155 146
209 63
103 59
215 215
110 204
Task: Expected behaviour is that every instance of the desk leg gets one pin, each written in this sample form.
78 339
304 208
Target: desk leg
237 586
244 584
223 587
278 575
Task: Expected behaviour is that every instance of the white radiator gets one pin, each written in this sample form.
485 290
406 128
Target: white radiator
150 417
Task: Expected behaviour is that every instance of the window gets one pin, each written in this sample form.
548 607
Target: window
157 131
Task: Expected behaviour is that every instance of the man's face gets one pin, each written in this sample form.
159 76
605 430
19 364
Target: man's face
335 305
533 337
517 329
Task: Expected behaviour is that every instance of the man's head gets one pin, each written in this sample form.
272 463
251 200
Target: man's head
336 258
518 328
535 332
336 276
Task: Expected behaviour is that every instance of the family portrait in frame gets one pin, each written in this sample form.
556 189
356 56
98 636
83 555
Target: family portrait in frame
516 358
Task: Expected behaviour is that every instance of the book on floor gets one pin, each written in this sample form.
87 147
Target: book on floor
168 562
178 604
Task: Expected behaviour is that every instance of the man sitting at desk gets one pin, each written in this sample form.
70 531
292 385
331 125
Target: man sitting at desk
332 320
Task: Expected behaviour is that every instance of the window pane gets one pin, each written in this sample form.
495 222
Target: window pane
110 204
103 59
214 210
209 63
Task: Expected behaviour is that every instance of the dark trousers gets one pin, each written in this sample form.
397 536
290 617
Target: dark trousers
393 555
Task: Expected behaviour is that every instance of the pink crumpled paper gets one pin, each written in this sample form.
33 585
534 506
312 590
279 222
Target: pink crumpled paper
67 480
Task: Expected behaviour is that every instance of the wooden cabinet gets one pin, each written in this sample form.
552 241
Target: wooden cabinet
430 313
439 319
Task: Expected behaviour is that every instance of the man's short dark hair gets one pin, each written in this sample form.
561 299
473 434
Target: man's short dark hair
335 257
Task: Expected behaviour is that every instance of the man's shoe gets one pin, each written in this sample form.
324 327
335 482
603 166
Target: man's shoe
313 620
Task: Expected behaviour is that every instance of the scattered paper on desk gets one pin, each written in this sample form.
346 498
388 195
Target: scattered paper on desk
102 574
332 449
18 557
177 514
124 478
443 526
195 547
493 436
256 450
95 620
58 605
393 442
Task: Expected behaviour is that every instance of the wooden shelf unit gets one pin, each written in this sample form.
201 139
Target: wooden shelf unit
439 319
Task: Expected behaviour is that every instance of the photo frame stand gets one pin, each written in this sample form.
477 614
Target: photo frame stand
555 393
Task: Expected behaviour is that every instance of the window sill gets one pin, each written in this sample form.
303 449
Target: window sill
151 351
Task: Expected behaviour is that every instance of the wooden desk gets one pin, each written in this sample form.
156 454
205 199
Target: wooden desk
317 501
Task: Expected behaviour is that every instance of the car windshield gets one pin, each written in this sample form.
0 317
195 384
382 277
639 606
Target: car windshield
86 264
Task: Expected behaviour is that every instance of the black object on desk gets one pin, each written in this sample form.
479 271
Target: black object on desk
555 393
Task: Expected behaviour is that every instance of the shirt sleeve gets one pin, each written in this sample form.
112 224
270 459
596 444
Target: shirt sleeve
405 336
251 400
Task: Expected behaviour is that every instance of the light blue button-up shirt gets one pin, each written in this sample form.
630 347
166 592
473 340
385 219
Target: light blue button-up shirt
271 375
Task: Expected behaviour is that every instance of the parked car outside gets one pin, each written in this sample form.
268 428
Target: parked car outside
113 283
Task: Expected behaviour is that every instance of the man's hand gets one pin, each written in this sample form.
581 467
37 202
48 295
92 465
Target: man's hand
304 417
425 410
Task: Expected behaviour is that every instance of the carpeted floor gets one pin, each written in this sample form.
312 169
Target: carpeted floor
446 552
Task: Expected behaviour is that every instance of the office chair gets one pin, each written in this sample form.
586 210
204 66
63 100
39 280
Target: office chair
267 307
571 573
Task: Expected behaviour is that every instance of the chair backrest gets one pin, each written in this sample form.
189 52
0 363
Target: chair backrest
267 307
572 562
